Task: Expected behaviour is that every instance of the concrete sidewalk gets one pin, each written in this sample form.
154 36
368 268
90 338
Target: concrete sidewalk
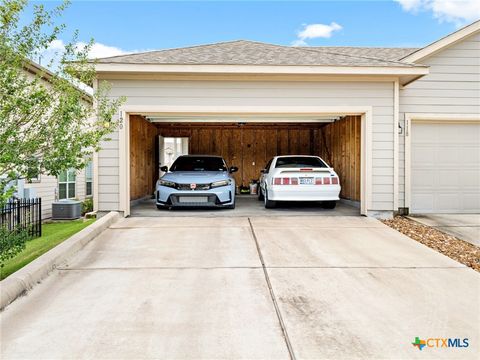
462 226
238 288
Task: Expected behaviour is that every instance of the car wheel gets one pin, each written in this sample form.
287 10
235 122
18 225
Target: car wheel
329 204
260 194
161 207
269 204
230 206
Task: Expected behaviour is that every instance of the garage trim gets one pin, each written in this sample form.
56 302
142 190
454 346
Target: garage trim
366 136
426 118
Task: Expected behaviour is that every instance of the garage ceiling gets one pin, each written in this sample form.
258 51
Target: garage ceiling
243 118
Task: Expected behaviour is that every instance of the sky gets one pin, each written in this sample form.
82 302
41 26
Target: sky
131 26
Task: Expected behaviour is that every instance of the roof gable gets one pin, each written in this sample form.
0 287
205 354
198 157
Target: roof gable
443 43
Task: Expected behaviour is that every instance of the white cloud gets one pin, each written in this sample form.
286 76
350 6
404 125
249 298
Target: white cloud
299 42
51 56
456 11
314 31
99 50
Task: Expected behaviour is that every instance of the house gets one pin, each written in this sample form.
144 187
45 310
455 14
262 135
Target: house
68 185
401 126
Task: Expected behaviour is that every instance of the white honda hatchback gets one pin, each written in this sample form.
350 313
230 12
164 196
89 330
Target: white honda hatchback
299 178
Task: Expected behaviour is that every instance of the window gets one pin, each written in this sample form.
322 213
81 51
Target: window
199 163
89 179
267 167
299 162
66 184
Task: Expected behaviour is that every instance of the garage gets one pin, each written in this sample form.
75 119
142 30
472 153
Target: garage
245 142
445 166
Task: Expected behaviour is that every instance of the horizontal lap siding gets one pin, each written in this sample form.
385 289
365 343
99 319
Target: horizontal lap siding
379 95
47 187
108 174
452 87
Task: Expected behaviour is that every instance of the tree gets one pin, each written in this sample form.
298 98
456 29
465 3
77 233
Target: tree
47 122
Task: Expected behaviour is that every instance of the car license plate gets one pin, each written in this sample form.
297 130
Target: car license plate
193 199
307 181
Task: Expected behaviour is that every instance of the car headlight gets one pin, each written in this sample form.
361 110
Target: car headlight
167 183
220 183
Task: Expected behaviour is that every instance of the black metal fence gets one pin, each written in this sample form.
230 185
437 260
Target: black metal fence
24 215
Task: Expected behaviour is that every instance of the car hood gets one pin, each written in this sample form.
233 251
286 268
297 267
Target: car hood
197 177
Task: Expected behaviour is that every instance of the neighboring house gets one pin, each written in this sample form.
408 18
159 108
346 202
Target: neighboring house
69 185
401 126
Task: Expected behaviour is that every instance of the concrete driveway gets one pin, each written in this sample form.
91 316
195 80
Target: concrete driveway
253 288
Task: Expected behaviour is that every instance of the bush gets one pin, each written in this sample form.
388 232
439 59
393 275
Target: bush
87 206
11 242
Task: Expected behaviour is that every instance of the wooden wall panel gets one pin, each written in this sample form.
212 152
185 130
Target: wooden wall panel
260 150
340 147
143 157
248 156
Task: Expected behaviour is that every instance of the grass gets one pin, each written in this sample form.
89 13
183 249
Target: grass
52 234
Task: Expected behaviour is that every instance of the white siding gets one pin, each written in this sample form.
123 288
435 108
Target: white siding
452 87
379 95
48 186
45 189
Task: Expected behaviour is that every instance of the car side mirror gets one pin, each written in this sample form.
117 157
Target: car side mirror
233 169
164 168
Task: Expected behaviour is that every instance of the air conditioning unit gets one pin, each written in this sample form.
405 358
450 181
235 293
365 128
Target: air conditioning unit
66 210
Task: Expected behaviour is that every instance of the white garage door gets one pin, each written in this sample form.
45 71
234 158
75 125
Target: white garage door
445 176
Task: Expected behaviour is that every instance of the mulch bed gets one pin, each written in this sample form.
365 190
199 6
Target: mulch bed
448 245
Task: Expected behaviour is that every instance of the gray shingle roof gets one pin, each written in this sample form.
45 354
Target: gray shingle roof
393 54
242 52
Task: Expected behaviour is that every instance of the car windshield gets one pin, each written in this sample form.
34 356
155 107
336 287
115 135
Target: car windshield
300 162
200 163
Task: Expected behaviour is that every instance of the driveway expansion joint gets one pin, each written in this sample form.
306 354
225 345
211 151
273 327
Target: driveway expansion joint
272 295
370 267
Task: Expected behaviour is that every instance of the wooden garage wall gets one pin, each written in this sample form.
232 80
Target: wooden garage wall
143 157
249 146
340 145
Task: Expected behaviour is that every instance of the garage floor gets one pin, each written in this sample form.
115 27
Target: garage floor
328 287
247 205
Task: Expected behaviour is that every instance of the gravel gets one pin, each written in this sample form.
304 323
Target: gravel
456 249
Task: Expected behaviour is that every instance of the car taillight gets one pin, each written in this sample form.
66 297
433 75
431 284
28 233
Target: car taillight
326 181
285 181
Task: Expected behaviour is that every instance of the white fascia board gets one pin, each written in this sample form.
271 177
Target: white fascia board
261 69
442 43
201 110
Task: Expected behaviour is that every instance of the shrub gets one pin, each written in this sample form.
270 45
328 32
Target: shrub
87 206
11 242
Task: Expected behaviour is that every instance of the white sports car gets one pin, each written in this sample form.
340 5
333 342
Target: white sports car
299 178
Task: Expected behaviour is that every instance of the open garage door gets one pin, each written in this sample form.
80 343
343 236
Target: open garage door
249 146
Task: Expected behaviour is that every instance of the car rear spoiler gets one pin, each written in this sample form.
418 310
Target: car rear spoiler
306 170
